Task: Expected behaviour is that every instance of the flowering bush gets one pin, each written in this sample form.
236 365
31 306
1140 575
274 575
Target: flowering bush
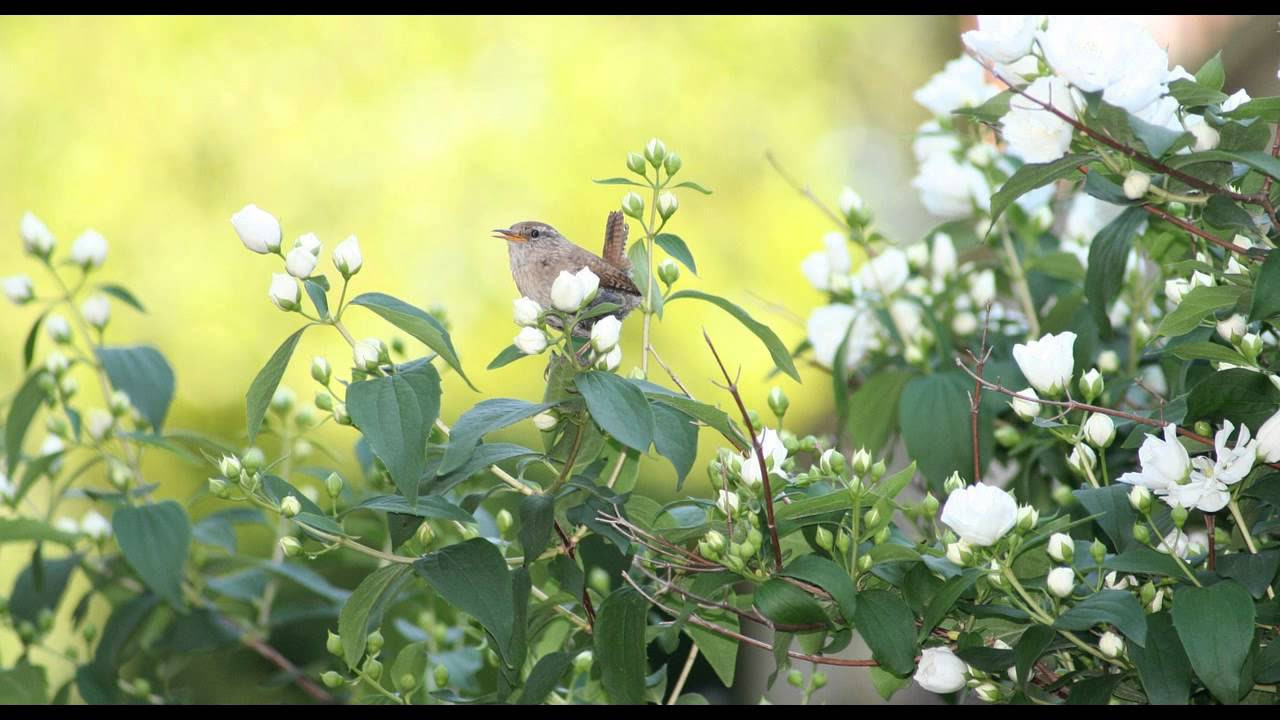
1079 361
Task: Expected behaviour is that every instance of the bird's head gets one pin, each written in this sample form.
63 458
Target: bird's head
527 231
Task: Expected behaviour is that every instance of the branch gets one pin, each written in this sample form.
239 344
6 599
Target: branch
975 400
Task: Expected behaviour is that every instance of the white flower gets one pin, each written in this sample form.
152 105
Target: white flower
950 189
942 257
300 262
1268 448
1020 71
1233 463
1110 644
347 257
884 273
89 250
982 288
774 455
610 360
1206 135
531 341
1164 462
1026 409
526 312
960 553
1002 38
1175 289
1233 328
1033 133
1113 581
58 328
932 140
980 514
99 423
1136 184
18 289
1108 361
908 316
964 323
1047 363
961 83
1175 543
1061 581
258 229
36 238
604 334
820 267
940 670
284 291
368 353
1199 279
1146 70
567 292
96 311
1100 430
1236 99
56 363
827 326
850 202
1061 547
308 242
590 283
545 421
95 525
917 255
667 205
1097 53
1082 459
727 501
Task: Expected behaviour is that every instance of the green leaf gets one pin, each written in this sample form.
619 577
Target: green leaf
1267 108
411 661
36 591
23 408
781 356
1034 642
433 506
1255 572
120 293
1162 665
1266 291
1196 305
509 354
712 417
1263 162
142 373
887 625
1107 606
988 112
1206 350
264 385
1215 625
1223 213
368 599
638 256
24 684
676 437
934 416
1105 271
1035 175
29 345
472 576
316 292
1190 93
618 181
618 407
1094 690
23 529
873 409
886 683
97 680
1242 396
484 418
1211 74
484 456
154 540
620 646
1157 138
694 186
720 652
417 323
677 249
544 677
944 600
396 414
537 519
1144 560
828 576
785 604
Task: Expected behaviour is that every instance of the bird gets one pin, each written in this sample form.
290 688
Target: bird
539 253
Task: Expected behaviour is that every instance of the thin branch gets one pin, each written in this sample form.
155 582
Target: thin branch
759 452
670 373
804 190
684 674
270 654
975 399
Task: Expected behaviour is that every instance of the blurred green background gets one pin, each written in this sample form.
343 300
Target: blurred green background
419 135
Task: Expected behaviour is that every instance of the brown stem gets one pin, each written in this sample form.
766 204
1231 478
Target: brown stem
270 654
732 387
975 400
1210 520
568 550
1266 186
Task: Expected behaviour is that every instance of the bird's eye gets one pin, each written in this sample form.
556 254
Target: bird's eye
534 233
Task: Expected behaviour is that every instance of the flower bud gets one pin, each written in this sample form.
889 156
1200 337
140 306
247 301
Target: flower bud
1140 499
1082 460
1136 184
531 341
1232 328
320 370
1099 430
655 151
1026 519
1091 384
1207 137
668 272
441 676
1097 551
929 505
545 421
1202 427
667 205
258 229
988 692
1026 409
58 328
832 462
604 334
373 668
229 466
850 203
1061 581
252 459
290 506
1250 346
526 312
1179 515
368 353
347 257
878 469
633 205
96 311
861 461
582 662
1157 601
1108 361
795 678
994 574
727 502
960 553
635 163
36 238
374 642
504 521
282 401
672 163
1007 435
290 546
1141 534
19 290
842 541
864 563
1061 547
284 292
610 360
324 401
68 387
952 483
824 538
218 487
567 292
300 263
1147 592
1110 644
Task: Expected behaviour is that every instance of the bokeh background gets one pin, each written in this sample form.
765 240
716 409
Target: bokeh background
420 134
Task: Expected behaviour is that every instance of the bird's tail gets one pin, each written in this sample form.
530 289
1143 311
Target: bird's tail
615 241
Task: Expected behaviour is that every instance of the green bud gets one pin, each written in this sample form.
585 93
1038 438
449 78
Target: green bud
333 644
1203 428
1008 436
655 151
861 462
809 443
504 521
56 425
1141 534
320 370
1179 515
795 678
283 400
26 631
374 642
778 402
426 535
89 632
582 662
633 205
1063 496
141 687
598 579
672 163
304 418
789 440
324 400
406 682
818 680
929 505
953 483
842 541
290 546
864 563
120 476
218 487
441 676
668 272
119 404
1097 551
635 163
1221 537
1147 593
44 619
333 485
824 538
340 415
397 345
872 517
253 459
373 668
290 506
882 535
331 679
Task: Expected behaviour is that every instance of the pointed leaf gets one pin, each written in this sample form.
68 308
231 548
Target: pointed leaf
781 356
396 414
154 540
417 323
264 385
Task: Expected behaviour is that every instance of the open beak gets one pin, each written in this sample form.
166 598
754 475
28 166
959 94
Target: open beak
506 234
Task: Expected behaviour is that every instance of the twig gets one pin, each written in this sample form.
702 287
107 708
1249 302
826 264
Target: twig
670 373
270 654
732 387
1210 522
684 675
586 598
975 399
803 190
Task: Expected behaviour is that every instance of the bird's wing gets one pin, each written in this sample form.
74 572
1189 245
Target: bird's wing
615 241
610 275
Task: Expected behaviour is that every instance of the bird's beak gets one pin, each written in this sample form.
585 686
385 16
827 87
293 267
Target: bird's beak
506 234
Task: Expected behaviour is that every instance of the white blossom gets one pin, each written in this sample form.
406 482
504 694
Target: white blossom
610 360
590 283
961 83
258 229
827 326
1268 449
1026 409
1163 462
567 292
850 201
367 354
1100 430
531 341
95 525
1002 38
99 423
1061 547
300 262
604 334
727 501
820 267
526 312
1032 132
1061 581
1235 100
950 189
932 140
284 292
1047 363
308 242
982 288
942 256
18 289
1105 53
774 455
96 311
36 237
980 514
940 670
89 250
1233 328
885 273
1110 644
347 257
